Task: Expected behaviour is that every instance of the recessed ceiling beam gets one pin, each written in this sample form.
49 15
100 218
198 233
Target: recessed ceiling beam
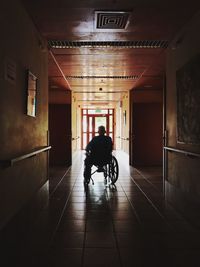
63 75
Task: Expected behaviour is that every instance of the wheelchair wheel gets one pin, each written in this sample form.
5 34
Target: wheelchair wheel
113 170
86 175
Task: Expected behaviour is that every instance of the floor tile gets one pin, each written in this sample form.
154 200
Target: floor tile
68 240
101 257
98 214
138 257
65 257
100 240
74 215
124 215
133 240
99 226
72 226
127 226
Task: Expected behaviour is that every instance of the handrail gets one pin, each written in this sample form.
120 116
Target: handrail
10 162
187 153
125 139
75 138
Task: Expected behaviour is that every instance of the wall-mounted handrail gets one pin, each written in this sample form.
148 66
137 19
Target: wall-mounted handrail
10 162
75 138
185 152
124 138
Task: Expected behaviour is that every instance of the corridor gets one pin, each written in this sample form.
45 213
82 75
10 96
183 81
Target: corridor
126 225
68 67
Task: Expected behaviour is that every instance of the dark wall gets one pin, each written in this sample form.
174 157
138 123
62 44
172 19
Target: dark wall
147 130
60 134
19 133
182 182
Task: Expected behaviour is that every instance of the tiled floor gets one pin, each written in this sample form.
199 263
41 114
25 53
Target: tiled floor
126 225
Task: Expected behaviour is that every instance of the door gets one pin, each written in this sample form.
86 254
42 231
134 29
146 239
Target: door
100 121
94 121
60 134
91 122
147 145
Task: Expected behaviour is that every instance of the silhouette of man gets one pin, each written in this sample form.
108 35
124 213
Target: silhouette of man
98 150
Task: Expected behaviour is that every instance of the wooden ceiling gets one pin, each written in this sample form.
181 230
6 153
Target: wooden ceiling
99 73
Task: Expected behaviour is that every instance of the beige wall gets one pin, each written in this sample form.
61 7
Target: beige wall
183 184
117 125
19 133
125 124
76 124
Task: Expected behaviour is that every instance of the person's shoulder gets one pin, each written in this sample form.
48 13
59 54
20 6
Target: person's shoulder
108 137
95 138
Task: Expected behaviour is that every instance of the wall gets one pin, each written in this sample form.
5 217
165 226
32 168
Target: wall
117 125
76 124
59 96
182 181
19 133
125 123
146 127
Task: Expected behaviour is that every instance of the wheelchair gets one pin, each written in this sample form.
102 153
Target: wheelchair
110 170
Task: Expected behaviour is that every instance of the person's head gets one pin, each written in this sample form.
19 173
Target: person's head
101 130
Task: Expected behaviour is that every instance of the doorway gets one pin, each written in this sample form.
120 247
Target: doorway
92 119
146 128
60 134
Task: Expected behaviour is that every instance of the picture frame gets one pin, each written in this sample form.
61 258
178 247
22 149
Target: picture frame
188 102
32 82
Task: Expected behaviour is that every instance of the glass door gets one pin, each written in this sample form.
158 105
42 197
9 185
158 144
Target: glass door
91 120
100 121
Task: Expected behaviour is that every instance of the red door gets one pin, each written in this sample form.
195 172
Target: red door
91 122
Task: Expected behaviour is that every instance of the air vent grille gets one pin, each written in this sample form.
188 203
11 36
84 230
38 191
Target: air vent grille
132 77
111 20
112 44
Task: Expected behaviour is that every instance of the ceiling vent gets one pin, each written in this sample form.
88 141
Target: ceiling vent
109 44
111 20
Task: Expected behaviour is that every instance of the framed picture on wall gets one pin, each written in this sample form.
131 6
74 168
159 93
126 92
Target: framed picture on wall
31 94
188 102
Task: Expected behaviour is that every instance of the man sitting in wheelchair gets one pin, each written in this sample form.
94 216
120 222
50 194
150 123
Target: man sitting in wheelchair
98 152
